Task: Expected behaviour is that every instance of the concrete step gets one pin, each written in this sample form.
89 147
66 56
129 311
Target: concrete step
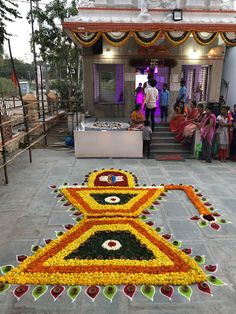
161 127
167 151
165 139
163 134
169 145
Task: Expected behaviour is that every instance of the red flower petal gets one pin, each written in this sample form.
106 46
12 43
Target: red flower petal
215 226
129 291
195 218
211 268
20 291
204 287
167 291
167 236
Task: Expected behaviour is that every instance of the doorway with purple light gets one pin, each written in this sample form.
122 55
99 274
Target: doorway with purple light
160 74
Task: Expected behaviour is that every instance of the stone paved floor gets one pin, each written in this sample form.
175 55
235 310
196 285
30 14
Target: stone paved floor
29 213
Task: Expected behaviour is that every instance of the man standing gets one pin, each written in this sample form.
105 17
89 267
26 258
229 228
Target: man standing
164 102
182 92
151 99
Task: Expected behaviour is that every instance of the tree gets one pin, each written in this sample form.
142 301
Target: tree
7 88
56 49
8 11
25 71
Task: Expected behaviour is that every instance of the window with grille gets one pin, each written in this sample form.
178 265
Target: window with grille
108 83
197 81
204 82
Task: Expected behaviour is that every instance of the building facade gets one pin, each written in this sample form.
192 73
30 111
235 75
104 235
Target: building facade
122 41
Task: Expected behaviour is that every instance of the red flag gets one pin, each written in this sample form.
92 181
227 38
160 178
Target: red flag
14 78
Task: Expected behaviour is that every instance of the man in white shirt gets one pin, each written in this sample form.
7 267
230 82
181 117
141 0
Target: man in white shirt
150 101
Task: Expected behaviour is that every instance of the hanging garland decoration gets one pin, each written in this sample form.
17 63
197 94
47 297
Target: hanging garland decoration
146 39
229 38
116 39
205 38
177 37
86 39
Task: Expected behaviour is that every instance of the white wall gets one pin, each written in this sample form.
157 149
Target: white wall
229 75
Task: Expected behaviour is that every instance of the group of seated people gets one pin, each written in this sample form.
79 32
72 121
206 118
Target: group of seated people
186 120
192 116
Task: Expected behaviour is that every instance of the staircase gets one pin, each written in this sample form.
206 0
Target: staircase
164 143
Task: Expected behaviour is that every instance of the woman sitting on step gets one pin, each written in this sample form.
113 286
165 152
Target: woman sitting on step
179 116
137 118
190 114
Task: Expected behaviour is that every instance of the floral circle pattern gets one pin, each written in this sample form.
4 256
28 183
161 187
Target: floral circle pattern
111 245
112 199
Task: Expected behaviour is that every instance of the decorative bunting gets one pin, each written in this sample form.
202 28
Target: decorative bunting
229 38
148 38
116 39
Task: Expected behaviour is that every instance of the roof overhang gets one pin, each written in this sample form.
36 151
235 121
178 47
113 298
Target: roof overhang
116 26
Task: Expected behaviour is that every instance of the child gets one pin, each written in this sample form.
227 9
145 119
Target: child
223 134
164 102
147 137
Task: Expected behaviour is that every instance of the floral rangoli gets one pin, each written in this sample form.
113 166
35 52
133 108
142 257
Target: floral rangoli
113 244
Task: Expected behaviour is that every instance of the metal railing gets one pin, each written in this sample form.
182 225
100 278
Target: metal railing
27 132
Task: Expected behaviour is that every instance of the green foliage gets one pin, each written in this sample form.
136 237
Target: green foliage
56 49
7 88
24 71
8 12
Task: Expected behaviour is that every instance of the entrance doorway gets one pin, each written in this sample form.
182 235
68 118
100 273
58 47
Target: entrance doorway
161 75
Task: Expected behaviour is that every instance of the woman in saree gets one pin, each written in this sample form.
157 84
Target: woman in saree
223 133
179 116
233 141
208 127
191 112
194 124
137 118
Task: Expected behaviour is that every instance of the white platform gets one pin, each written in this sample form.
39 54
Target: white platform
127 144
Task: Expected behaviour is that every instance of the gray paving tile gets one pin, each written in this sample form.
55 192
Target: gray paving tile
29 213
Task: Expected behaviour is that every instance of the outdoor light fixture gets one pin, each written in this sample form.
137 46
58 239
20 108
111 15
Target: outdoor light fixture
177 15
108 52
